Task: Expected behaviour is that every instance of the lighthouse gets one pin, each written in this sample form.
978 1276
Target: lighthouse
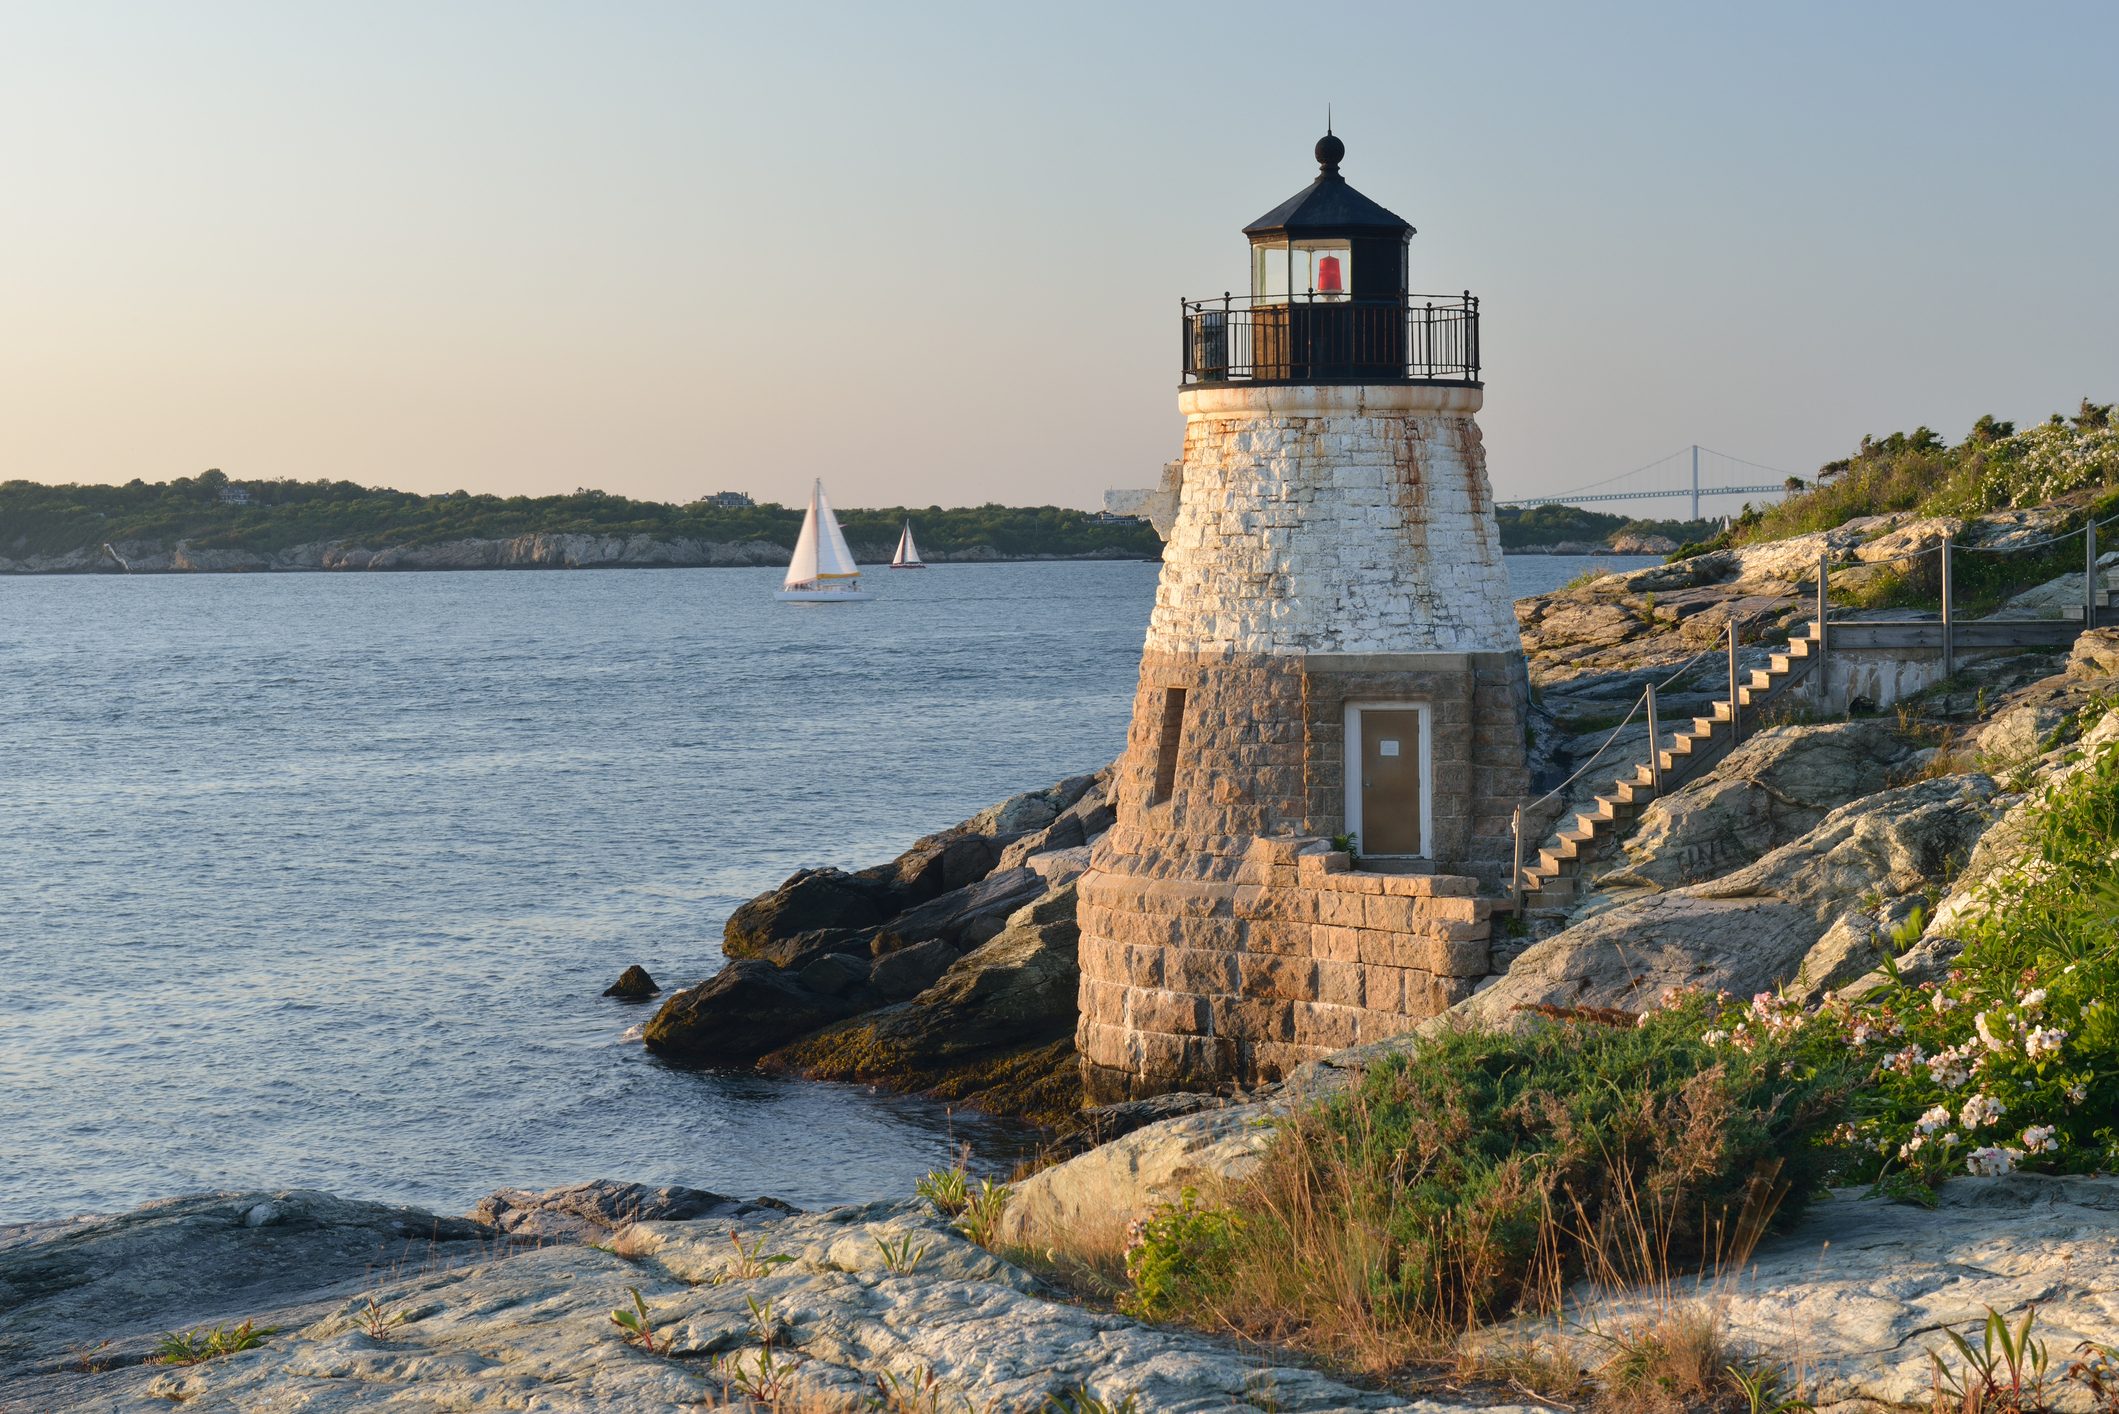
1332 656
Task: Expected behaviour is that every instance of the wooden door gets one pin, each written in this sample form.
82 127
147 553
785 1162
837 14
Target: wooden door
1390 781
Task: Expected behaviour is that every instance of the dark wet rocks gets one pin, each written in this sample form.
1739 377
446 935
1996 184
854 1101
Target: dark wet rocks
993 1029
746 1009
587 1212
633 985
950 970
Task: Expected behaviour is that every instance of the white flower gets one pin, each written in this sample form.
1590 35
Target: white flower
2038 1139
1992 1161
1993 1042
2032 1000
1948 1069
2043 1041
1941 1002
1904 1061
1980 1111
1912 1146
1714 1038
2077 1093
1934 1119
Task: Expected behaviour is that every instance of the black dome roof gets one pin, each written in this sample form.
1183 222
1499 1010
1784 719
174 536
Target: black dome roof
1329 207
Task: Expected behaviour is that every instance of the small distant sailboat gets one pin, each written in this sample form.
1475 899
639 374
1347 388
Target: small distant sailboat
822 570
908 556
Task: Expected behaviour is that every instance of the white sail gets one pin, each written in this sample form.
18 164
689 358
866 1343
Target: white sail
834 559
908 553
802 569
820 551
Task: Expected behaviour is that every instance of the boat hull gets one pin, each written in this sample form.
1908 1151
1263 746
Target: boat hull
823 596
908 567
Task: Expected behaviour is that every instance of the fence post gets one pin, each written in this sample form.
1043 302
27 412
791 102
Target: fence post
2089 574
1949 639
1824 616
1655 751
1736 711
1515 878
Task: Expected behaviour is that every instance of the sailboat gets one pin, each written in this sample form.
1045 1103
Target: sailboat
822 570
908 555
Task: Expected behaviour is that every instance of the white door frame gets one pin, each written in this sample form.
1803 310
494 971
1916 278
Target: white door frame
1352 749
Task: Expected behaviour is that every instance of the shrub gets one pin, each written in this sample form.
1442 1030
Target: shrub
2013 1059
1177 1258
1478 1175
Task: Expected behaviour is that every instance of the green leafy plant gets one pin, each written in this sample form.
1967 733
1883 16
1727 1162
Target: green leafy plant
2096 1367
1177 1256
1347 845
912 1392
194 1346
981 1218
753 1261
638 1327
900 1255
948 1189
1080 1401
1761 1387
759 1374
377 1320
2005 1374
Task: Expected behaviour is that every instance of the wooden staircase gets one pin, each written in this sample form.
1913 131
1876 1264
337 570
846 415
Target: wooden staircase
1555 878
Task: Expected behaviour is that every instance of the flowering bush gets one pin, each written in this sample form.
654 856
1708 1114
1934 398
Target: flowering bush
2012 1061
2045 462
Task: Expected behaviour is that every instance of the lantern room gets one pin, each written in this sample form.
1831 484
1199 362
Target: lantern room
1329 300
1328 242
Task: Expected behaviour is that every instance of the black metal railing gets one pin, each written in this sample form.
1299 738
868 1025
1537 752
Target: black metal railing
1332 339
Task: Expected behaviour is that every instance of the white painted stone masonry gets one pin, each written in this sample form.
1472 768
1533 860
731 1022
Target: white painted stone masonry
1333 519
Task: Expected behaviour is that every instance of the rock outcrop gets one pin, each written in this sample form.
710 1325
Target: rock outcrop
1771 789
855 1304
633 985
994 1029
1855 1297
966 941
1752 930
590 1212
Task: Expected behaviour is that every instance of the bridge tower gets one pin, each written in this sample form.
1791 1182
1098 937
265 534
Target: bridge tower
1333 650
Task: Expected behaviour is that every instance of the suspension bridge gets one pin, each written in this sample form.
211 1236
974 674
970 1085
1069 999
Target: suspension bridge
1693 472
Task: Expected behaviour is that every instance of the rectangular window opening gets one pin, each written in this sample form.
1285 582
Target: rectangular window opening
1167 744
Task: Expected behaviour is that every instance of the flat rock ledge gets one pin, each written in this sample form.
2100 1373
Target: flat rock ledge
469 1320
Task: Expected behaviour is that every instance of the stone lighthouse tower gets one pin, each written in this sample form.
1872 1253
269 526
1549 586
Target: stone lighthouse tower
1333 651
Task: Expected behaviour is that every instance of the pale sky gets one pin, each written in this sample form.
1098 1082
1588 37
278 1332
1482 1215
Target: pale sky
933 253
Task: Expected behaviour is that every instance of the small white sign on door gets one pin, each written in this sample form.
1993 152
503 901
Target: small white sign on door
1387 747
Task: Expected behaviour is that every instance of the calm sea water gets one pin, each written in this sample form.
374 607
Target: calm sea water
315 879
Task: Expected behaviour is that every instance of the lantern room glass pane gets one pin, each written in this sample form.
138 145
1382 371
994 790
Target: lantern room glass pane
1324 269
1269 272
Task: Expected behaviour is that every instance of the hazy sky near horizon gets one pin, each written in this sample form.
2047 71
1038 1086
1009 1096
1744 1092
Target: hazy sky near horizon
933 253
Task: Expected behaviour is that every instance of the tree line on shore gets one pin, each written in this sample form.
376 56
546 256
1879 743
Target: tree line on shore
212 512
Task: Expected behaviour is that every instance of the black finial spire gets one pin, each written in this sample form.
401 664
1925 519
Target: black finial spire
1329 149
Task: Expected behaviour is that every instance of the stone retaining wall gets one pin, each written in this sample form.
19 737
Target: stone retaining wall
1190 983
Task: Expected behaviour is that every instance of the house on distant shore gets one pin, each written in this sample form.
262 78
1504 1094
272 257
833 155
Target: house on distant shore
727 501
235 495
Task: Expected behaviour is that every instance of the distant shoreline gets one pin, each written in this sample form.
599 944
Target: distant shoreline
511 555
